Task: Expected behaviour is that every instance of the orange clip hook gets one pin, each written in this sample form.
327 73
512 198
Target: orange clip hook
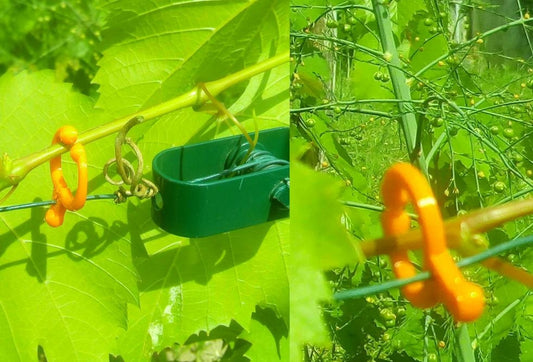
67 135
464 300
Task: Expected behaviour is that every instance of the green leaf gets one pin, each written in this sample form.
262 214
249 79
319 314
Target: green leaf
192 286
319 241
268 336
158 51
411 333
318 227
163 49
308 291
301 17
202 283
405 12
63 288
364 85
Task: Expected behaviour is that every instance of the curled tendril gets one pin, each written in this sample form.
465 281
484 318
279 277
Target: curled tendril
139 186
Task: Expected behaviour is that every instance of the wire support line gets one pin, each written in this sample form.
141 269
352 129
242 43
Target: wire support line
398 283
51 202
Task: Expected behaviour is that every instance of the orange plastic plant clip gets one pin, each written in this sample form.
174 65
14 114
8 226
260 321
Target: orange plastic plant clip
403 183
67 135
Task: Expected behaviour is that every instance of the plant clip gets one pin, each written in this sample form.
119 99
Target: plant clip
67 135
220 185
403 183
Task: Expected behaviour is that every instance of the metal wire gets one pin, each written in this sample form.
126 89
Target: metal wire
51 202
257 160
398 283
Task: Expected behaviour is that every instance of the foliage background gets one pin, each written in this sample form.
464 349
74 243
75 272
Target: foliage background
109 284
476 149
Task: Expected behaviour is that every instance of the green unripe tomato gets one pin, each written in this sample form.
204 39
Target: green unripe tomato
378 75
499 187
347 27
385 78
508 133
337 110
529 84
351 20
495 130
433 30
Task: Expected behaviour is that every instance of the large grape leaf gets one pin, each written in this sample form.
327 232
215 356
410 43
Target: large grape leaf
202 283
66 288
159 50
269 337
319 242
88 275
163 48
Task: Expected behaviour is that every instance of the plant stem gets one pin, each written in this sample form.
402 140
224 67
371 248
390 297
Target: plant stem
344 42
457 229
408 120
465 352
22 166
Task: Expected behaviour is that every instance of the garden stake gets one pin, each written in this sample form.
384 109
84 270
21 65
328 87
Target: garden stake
67 135
464 300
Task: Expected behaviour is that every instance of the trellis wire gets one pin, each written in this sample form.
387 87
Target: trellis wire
398 283
51 202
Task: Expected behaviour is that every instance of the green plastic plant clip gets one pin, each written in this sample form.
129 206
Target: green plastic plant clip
212 187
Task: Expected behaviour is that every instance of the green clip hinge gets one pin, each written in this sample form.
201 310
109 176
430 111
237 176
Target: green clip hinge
206 188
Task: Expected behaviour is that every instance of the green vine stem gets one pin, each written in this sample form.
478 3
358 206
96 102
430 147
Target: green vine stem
13 171
401 89
465 352
459 230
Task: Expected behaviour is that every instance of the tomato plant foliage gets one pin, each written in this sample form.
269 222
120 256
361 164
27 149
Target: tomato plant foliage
376 82
109 281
